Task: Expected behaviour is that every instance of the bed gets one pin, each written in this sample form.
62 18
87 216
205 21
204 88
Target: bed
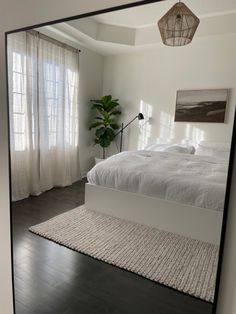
180 193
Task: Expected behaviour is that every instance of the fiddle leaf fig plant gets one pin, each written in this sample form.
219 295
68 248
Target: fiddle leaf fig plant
105 121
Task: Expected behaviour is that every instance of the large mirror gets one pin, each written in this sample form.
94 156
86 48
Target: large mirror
120 133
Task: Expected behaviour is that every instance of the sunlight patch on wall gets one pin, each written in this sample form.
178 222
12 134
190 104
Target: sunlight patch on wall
167 128
194 134
144 125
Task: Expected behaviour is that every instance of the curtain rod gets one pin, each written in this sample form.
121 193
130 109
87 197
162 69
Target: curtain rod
53 40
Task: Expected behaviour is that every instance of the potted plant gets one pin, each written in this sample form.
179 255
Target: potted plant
105 121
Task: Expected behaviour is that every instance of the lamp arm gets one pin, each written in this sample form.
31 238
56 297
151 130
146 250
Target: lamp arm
130 122
124 127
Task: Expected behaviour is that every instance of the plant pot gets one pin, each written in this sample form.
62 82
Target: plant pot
97 160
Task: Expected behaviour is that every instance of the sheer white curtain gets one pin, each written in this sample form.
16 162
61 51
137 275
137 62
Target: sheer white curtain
43 99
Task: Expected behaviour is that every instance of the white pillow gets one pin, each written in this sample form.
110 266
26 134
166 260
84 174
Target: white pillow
157 147
181 148
172 148
222 154
215 144
219 152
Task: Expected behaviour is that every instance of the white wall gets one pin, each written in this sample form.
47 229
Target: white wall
15 14
147 82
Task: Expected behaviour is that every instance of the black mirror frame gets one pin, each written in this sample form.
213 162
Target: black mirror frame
232 149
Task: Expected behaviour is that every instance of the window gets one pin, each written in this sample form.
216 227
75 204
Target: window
19 100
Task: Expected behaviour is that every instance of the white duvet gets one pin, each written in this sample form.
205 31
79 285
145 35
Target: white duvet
196 180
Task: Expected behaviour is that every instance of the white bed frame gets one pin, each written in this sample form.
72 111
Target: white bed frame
194 222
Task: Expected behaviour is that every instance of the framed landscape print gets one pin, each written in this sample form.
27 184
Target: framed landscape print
201 105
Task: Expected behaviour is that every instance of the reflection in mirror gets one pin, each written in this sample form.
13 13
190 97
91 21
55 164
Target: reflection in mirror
143 194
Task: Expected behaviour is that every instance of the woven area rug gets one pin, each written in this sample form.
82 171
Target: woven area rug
181 263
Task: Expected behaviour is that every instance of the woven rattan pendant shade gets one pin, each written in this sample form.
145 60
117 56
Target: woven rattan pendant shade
178 25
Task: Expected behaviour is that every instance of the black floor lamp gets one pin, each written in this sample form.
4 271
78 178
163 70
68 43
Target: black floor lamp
139 117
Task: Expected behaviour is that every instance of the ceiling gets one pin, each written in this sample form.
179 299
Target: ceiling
147 15
135 28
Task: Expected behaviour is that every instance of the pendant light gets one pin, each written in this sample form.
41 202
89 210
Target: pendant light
178 25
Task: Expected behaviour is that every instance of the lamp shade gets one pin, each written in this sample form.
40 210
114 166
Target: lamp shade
140 116
178 25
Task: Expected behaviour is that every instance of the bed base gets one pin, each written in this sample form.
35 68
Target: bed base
194 222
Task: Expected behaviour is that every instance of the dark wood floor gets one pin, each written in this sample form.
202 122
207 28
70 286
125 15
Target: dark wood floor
50 278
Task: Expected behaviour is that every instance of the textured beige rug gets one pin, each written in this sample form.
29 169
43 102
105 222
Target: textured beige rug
181 263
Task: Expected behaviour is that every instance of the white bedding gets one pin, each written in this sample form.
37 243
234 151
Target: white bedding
196 180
